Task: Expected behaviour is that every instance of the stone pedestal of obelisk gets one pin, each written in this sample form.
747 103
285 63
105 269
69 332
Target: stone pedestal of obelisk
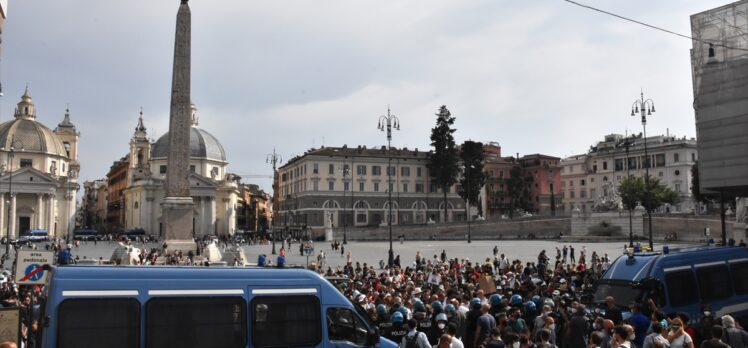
177 207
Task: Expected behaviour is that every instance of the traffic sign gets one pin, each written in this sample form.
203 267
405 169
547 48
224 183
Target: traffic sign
308 249
31 266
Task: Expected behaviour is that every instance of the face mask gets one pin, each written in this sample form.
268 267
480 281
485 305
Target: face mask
632 337
573 311
663 323
515 344
441 326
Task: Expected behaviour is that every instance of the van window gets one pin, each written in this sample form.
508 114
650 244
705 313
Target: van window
107 322
714 283
740 277
681 288
344 325
196 322
286 321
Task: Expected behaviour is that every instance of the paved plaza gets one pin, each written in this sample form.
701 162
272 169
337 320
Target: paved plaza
372 252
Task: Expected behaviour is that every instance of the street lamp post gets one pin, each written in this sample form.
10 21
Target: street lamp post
273 159
345 171
645 107
388 123
467 199
627 143
10 192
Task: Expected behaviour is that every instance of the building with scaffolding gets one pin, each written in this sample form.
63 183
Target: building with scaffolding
720 86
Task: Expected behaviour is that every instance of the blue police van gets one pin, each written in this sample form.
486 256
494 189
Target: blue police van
131 307
36 235
691 280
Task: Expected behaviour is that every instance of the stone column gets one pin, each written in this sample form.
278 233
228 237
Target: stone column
149 225
12 217
51 214
211 215
226 214
39 212
203 220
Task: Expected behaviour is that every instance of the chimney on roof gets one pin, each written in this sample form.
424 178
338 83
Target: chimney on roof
345 146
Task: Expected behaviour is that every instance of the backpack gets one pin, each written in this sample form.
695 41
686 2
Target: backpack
412 341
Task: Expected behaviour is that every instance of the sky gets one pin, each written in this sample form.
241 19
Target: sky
536 76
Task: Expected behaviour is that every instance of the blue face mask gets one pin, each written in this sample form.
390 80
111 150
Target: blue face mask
663 323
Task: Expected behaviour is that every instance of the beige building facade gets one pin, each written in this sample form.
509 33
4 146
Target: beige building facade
340 186
586 177
38 173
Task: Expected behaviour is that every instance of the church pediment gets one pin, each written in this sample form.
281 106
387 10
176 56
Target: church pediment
197 181
28 175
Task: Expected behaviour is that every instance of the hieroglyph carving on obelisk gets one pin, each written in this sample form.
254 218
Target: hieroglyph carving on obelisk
177 170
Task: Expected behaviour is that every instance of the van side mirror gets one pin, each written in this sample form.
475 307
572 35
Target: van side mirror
372 337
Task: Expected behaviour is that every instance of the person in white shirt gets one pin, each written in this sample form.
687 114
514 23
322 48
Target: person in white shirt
452 331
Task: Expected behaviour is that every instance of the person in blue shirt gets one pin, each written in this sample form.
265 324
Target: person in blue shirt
281 261
63 258
261 260
640 322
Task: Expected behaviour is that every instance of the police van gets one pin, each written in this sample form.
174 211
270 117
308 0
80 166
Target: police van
691 280
37 235
129 307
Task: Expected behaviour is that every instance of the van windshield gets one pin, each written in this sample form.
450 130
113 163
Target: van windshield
622 291
365 316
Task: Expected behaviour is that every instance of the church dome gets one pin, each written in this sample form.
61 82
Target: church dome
28 134
203 145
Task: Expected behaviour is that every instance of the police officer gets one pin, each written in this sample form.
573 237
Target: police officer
397 331
383 321
438 330
422 317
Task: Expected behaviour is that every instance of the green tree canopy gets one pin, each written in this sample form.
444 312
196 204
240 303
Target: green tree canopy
442 164
633 191
473 178
518 188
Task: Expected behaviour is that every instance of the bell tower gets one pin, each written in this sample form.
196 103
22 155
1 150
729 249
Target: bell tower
140 152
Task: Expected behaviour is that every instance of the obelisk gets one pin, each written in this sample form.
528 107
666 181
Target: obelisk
177 207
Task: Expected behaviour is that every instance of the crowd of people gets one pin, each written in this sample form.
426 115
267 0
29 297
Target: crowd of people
492 302
496 302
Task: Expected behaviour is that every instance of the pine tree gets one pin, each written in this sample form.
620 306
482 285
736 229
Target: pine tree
473 178
442 164
518 188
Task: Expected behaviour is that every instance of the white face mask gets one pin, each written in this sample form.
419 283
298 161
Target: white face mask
515 344
441 326
632 337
